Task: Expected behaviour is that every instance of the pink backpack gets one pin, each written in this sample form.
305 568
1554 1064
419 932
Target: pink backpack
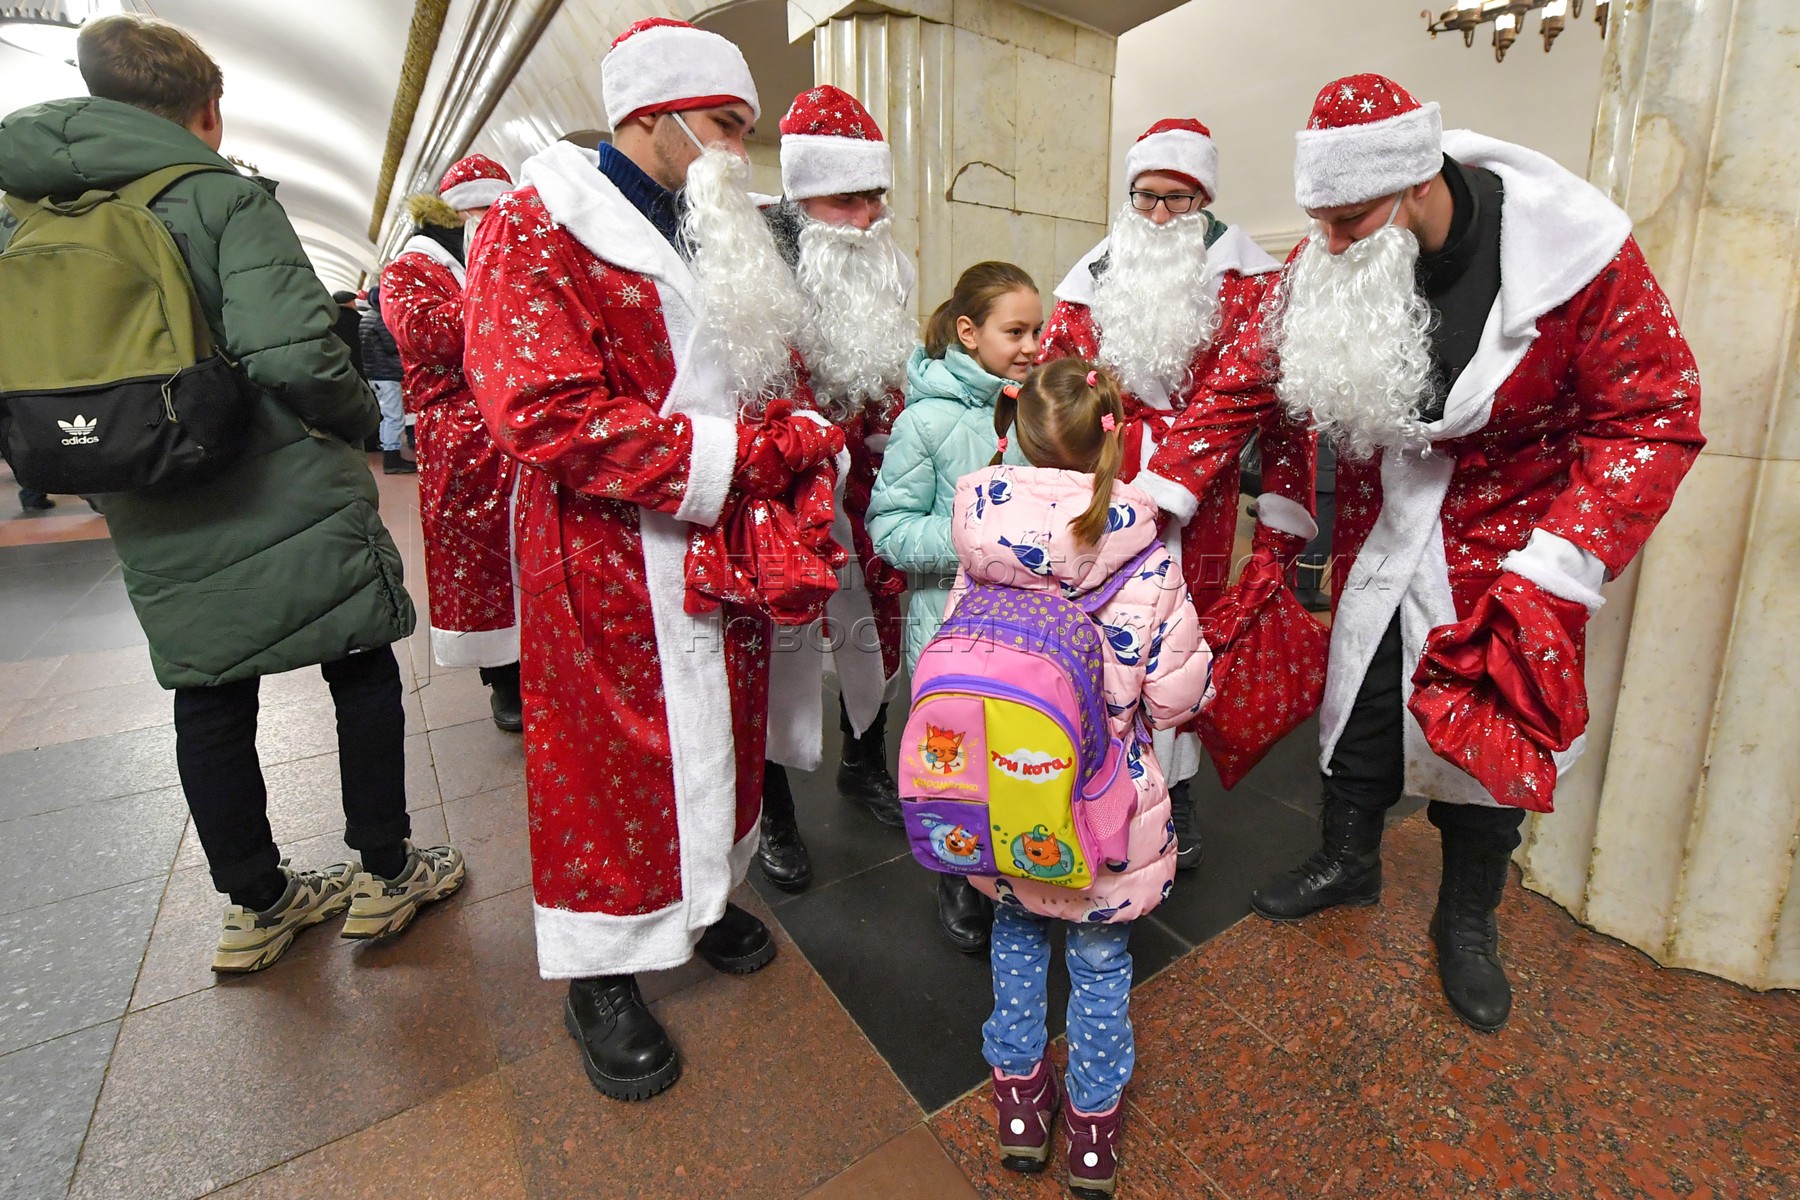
1008 765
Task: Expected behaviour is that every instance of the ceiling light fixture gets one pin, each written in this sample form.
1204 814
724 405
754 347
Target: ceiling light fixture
1508 17
49 26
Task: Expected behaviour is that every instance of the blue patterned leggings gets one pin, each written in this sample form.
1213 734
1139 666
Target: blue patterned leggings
1101 1051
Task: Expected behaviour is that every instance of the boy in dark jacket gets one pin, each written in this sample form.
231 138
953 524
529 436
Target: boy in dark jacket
381 364
280 562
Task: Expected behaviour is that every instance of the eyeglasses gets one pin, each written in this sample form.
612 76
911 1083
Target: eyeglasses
1178 203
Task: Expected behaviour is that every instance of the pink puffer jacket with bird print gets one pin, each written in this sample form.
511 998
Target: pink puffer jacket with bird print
1010 526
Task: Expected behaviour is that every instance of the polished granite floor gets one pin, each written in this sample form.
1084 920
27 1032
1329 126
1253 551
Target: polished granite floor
1274 1061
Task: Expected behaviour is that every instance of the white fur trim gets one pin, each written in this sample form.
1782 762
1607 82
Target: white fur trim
418 243
711 463
1354 163
482 648
670 62
591 207
1557 230
1285 516
1177 753
576 945
876 443
697 699
816 165
796 698
476 193
1560 567
1401 568
1179 150
1170 496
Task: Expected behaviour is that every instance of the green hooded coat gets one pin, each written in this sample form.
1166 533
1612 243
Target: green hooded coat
282 561
945 431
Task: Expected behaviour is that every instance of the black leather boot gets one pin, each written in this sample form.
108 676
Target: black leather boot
626 1051
964 914
1466 933
780 853
393 464
1188 850
737 943
863 776
503 697
1345 869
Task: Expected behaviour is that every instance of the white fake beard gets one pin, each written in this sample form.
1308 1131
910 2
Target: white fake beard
1354 340
1154 306
858 333
470 228
749 304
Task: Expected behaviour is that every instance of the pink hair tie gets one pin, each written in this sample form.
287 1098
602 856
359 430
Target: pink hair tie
1107 422
1093 379
1003 445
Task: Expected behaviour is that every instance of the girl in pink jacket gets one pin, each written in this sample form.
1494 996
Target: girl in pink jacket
1065 523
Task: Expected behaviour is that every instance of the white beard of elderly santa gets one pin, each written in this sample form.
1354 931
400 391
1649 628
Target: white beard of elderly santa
1158 303
1514 407
465 480
613 346
857 334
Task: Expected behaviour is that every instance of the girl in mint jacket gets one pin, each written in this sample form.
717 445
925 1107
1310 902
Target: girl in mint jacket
982 338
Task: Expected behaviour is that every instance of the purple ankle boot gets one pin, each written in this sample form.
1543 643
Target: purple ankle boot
1094 1151
1027 1113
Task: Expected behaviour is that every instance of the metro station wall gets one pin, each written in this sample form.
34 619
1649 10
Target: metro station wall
1250 71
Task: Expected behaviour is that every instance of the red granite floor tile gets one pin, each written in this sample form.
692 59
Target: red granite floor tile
1151 1164
224 1083
911 1167
780 1091
461 1144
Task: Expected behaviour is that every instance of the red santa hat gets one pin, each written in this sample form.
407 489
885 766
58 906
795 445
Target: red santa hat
474 182
831 146
664 66
1178 146
1367 137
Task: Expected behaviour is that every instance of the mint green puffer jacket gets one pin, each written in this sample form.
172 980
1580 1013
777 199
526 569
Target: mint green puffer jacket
945 431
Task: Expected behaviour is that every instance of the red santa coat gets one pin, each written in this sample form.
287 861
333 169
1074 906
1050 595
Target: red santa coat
1560 447
644 725
1205 505
465 481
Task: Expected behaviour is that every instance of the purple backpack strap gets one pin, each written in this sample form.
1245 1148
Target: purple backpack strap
1101 596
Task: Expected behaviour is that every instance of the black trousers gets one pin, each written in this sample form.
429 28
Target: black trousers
215 751
1368 764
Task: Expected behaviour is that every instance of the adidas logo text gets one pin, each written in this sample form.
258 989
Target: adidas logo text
80 431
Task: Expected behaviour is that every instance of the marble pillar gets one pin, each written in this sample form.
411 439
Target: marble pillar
1678 832
1000 119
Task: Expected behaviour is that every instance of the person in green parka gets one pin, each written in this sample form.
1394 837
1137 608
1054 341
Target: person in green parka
982 338
280 562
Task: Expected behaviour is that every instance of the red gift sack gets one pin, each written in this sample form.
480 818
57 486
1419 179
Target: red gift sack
1499 693
774 556
1268 668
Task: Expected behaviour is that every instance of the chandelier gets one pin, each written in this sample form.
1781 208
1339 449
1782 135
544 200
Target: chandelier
1508 17
48 27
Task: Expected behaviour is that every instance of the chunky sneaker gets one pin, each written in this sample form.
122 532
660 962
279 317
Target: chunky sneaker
1025 1108
1094 1151
253 940
383 907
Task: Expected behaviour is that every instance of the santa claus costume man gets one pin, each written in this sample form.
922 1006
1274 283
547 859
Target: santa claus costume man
1156 301
1513 407
835 230
465 480
622 308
